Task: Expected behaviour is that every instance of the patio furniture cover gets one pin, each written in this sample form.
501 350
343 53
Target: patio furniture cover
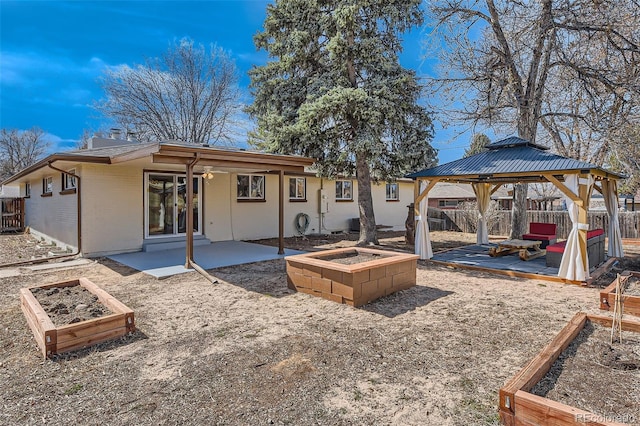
422 240
610 194
572 267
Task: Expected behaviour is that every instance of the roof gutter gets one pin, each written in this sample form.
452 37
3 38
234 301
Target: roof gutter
79 223
57 157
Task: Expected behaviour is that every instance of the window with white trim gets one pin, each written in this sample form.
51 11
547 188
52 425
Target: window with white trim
47 185
344 190
392 192
250 187
69 181
297 188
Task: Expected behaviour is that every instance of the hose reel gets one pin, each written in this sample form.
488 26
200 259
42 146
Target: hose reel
301 223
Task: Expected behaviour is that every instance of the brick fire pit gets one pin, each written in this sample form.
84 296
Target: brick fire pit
354 276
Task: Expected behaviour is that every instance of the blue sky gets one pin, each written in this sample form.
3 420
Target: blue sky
52 54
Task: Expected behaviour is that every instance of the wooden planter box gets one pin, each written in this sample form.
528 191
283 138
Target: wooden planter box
355 284
54 340
631 304
519 407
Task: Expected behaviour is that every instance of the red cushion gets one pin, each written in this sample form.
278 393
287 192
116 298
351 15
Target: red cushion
542 228
557 247
538 237
594 233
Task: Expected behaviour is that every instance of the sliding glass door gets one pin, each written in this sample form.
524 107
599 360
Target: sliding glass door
166 204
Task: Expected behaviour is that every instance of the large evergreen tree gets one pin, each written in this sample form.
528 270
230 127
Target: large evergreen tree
334 90
478 144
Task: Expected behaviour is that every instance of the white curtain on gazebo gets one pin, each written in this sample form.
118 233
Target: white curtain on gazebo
422 240
572 267
483 196
610 194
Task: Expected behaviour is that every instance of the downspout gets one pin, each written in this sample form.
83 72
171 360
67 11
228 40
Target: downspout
190 263
79 226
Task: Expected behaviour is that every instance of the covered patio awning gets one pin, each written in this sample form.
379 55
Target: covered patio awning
191 155
515 160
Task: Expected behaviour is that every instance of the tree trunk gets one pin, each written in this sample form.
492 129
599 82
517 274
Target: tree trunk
365 202
519 211
527 131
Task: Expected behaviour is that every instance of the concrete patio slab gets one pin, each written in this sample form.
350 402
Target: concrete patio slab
164 263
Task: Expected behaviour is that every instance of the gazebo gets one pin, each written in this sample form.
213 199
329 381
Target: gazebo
515 160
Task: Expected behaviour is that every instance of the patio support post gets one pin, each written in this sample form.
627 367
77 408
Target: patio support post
281 213
190 263
189 211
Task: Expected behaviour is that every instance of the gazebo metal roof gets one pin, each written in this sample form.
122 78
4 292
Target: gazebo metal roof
509 158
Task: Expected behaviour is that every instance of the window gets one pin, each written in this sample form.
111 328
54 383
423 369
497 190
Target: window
344 190
298 189
448 203
392 192
69 181
250 187
27 190
47 185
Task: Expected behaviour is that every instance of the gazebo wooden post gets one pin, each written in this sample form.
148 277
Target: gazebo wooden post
416 211
585 194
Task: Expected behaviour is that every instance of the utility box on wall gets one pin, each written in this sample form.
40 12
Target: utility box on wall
323 201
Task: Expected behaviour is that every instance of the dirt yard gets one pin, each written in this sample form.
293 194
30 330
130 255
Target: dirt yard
248 351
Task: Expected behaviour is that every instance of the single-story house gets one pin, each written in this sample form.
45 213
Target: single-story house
445 195
122 196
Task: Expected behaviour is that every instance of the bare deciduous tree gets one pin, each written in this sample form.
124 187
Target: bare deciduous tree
190 94
561 66
625 157
20 149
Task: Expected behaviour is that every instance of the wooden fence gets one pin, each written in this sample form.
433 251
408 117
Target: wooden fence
458 220
12 219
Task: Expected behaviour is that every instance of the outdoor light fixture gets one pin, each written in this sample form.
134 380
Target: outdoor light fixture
208 173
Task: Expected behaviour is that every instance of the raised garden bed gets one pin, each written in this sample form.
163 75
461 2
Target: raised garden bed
81 320
520 406
354 276
630 281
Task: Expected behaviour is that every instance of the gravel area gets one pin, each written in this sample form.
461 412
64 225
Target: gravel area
249 351
21 247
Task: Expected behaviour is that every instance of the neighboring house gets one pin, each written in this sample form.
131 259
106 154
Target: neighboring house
630 203
450 195
122 196
626 203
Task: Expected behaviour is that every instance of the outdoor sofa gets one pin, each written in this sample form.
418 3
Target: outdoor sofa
545 232
595 249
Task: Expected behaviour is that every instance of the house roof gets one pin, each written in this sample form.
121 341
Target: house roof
507 160
172 152
458 191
